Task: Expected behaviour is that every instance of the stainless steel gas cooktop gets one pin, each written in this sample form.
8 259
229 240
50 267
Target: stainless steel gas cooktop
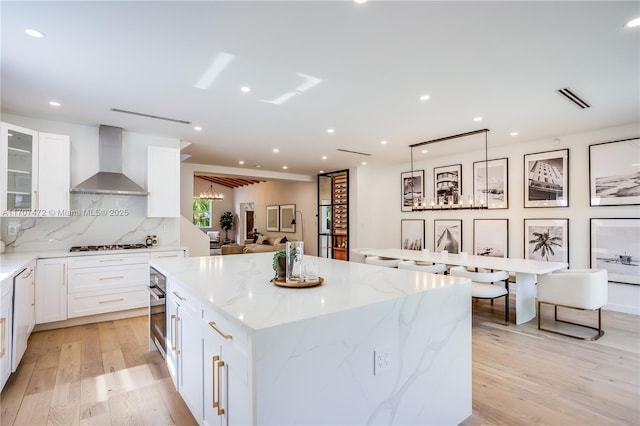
105 247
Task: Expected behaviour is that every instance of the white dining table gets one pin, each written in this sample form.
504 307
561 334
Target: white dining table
526 271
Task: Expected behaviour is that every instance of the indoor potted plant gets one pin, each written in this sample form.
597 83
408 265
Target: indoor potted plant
226 223
280 264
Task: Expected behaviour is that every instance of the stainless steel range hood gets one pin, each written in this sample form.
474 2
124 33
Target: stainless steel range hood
109 179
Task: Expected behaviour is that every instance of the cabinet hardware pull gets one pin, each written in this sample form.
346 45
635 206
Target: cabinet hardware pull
28 275
168 255
3 323
225 336
110 301
112 278
111 260
64 273
214 403
179 297
220 409
37 199
33 287
174 330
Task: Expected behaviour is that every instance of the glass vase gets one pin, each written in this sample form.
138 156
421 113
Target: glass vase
295 253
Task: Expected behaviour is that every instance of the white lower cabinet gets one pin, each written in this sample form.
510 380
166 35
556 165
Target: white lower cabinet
225 364
184 346
24 311
51 290
6 327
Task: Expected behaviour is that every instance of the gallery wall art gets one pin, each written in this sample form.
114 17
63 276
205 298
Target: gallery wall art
447 235
412 234
412 184
614 173
447 184
491 237
546 180
491 189
615 246
546 239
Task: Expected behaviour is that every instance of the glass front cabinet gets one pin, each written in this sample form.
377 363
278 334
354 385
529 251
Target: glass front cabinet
333 215
35 170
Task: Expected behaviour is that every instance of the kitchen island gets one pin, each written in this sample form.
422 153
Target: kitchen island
371 345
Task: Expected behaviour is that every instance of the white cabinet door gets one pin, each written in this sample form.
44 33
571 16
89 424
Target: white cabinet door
227 398
190 358
6 310
51 290
163 182
24 312
54 173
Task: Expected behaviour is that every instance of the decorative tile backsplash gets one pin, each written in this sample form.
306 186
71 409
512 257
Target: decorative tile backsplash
95 219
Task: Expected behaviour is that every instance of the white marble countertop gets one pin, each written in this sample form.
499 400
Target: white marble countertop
12 262
240 286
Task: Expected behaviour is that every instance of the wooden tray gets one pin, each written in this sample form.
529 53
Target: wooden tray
298 285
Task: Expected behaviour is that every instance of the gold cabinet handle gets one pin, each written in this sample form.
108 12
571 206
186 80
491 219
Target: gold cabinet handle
174 331
28 275
217 404
111 260
111 301
112 278
33 287
225 336
167 255
179 297
35 193
214 403
3 323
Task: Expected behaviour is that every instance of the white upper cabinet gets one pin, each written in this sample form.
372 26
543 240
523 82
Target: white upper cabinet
163 182
37 168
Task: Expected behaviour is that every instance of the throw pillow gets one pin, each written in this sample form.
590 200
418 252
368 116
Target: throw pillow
284 239
261 240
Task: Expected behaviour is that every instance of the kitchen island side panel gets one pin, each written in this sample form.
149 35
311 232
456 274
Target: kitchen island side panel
321 370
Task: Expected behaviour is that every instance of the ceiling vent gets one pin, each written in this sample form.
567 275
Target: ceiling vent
155 117
353 152
575 99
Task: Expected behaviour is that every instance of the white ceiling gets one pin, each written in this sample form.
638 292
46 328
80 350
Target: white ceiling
499 60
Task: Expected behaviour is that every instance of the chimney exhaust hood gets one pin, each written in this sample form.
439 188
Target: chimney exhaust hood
109 179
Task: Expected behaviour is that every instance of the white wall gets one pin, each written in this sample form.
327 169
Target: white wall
376 216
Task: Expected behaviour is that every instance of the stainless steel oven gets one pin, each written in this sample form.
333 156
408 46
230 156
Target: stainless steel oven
157 321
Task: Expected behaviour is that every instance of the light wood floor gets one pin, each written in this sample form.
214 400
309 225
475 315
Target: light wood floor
102 374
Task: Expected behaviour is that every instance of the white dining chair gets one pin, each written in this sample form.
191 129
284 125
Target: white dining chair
382 261
483 287
432 268
578 289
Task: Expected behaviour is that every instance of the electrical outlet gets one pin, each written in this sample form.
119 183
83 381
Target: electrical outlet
383 360
12 229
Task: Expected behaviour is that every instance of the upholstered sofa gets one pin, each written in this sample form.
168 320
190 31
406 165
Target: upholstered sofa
262 244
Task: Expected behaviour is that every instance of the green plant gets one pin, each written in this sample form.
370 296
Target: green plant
277 255
226 223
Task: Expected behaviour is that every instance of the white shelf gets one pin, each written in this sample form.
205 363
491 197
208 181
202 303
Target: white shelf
24 172
18 193
24 151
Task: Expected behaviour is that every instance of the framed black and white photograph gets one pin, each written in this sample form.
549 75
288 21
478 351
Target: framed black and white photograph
447 235
546 180
614 173
615 246
412 189
447 184
273 218
491 189
287 213
491 237
412 232
546 240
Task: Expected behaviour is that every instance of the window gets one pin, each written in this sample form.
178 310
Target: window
202 212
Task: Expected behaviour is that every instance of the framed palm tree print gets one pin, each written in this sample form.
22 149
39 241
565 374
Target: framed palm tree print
546 240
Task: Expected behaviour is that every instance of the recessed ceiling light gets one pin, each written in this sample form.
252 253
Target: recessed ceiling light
424 97
383 142
633 23
513 134
324 157
34 33
330 130
424 151
364 163
360 1
198 128
245 89
276 150
54 103
285 167
241 162
477 119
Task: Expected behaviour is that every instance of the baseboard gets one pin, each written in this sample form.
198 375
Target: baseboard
625 309
90 319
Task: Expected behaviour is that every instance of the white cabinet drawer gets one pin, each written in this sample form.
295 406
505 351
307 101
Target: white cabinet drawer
107 260
107 278
99 302
174 254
